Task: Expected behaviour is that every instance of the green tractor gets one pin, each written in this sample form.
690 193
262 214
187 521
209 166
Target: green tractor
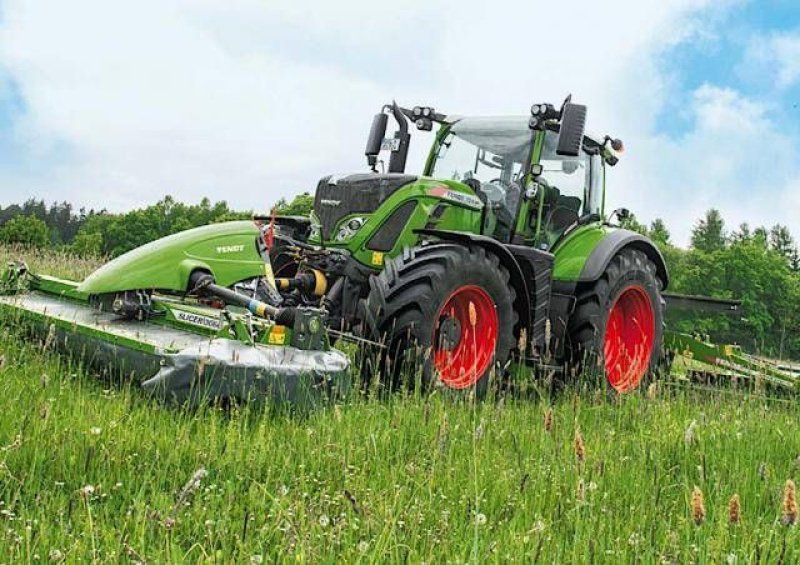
500 248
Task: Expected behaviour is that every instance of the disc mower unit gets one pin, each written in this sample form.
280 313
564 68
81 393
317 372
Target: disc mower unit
184 345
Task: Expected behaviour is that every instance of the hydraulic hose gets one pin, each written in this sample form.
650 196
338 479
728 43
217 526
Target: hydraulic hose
283 316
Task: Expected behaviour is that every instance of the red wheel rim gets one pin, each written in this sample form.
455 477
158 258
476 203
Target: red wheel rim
630 334
461 364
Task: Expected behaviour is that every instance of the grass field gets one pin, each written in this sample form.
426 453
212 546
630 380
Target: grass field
92 471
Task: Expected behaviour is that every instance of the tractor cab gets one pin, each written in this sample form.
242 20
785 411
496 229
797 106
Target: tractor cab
532 192
490 155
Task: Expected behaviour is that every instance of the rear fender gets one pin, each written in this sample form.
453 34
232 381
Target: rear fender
615 242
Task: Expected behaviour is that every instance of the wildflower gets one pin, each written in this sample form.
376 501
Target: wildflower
324 520
473 314
56 555
169 522
734 510
479 431
538 526
548 420
363 546
95 431
688 435
698 506
580 448
480 519
580 492
191 486
522 343
789 503
87 491
255 559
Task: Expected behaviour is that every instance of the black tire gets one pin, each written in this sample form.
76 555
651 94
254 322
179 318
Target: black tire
404 310
633 275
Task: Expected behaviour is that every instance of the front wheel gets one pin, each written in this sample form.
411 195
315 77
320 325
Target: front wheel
618 323
445 313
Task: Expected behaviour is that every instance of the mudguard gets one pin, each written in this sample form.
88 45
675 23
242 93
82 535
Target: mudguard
612 244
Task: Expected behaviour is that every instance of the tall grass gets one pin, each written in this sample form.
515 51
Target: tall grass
91 471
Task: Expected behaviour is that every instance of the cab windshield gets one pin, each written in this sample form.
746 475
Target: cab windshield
488 155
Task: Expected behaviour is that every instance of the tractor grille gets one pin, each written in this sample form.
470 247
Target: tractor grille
337 198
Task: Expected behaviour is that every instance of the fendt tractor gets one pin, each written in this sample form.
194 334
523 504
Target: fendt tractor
501 246
499 250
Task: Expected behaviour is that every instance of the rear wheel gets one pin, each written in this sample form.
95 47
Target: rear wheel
445 313
617 328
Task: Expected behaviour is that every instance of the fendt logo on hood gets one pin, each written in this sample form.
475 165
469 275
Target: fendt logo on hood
230 248
327 202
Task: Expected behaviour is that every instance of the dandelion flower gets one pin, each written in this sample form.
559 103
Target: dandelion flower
789 503
698 506
324 521
56 555
363 546
256 559
87 491
480 518
95 431
734 510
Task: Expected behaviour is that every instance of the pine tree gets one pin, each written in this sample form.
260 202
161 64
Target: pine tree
708 234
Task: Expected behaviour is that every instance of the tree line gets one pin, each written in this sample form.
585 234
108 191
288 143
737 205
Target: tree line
759 266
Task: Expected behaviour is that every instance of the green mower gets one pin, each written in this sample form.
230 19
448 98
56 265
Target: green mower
500 250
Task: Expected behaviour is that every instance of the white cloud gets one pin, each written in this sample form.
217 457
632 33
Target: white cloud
250 101
734 159
776 55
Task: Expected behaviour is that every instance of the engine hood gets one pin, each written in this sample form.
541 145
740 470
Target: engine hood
337 197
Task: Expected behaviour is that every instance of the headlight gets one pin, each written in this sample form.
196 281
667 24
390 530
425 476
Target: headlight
315 232
349 228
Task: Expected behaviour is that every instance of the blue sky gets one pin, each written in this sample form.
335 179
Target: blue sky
114 105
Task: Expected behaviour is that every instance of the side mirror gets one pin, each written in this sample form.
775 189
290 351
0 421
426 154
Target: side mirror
573 125
375 140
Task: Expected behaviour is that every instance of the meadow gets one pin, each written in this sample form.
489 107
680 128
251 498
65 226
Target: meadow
95 471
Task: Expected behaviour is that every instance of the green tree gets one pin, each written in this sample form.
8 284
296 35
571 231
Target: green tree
633 224
708 234
25 230
781 240
658 232
301 205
